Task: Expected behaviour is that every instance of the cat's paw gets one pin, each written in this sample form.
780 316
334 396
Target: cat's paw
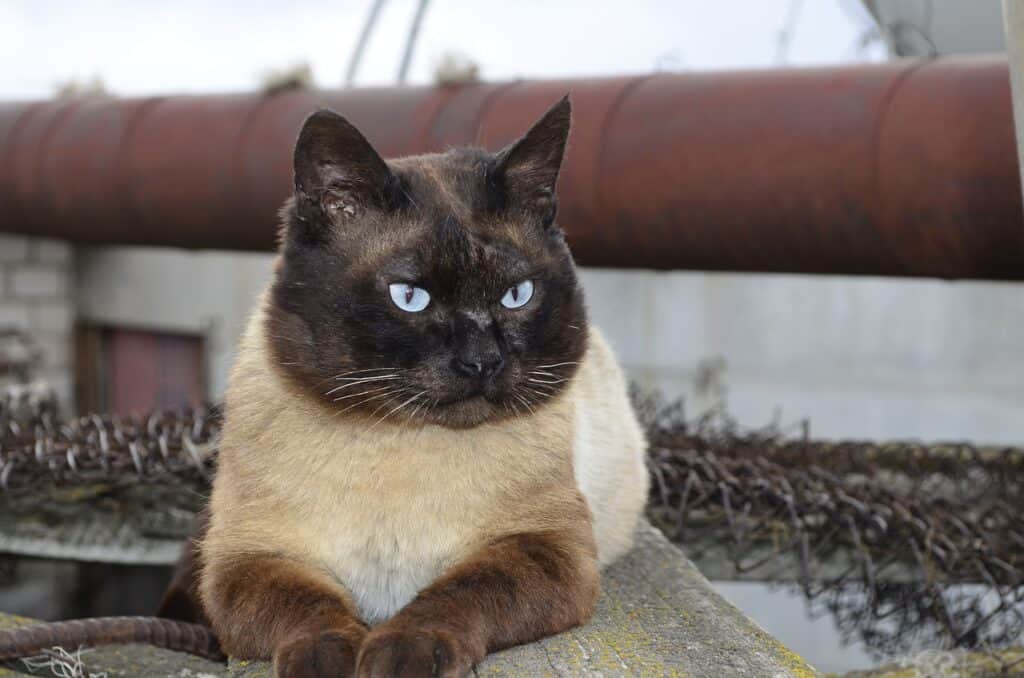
328 654
387 653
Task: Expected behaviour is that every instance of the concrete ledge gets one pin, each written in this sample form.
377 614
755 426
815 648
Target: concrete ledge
144 524
657 616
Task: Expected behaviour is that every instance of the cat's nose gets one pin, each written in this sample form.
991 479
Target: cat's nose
479 366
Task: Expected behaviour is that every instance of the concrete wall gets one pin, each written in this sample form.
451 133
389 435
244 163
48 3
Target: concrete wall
859 357
36 297
207 294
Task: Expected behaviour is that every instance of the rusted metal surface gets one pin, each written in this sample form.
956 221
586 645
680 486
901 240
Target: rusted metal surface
906 168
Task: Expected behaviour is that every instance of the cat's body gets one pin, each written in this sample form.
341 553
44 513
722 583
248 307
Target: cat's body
408 483
386 511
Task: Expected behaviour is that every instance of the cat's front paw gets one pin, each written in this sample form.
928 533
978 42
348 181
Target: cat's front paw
328 654
387 653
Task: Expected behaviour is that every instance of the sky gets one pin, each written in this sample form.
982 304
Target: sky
142 47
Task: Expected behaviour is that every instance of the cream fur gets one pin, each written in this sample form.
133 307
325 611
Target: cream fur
608 450
386 511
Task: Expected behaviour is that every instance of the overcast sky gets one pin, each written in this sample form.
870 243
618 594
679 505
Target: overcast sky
146 46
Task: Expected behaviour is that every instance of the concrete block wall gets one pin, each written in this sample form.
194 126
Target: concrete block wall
36 297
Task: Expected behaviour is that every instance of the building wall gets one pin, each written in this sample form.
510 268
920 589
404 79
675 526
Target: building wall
206 294
858 357
36 297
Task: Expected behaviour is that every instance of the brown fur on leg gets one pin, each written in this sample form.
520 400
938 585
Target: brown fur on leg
181 600
517 589
266 606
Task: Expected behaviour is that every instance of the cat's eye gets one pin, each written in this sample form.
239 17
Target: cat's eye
518 295
409 297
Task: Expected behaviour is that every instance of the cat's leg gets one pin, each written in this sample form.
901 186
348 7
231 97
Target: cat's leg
515 590
269 607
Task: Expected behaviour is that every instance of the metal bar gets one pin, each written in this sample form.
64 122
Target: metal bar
364 39
1013 22
901 169
410 40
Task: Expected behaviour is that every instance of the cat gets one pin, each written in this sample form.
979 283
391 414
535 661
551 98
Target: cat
428 454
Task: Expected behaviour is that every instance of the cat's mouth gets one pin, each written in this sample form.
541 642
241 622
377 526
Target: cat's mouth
477 404
465 411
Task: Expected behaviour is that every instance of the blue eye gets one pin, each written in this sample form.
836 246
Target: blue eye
518 295
409 298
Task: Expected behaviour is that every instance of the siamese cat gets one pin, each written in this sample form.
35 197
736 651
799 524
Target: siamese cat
428 454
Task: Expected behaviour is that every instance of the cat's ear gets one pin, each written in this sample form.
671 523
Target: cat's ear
337 171
528 169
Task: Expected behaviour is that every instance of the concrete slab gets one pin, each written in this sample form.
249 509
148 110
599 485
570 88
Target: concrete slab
658 616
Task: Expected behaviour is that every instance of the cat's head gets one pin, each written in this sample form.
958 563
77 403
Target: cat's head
435 288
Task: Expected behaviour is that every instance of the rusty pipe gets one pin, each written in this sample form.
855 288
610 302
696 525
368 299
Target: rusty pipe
903 169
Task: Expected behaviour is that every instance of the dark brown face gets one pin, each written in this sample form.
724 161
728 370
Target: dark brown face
434 288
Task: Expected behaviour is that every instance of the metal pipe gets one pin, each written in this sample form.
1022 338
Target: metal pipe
905 168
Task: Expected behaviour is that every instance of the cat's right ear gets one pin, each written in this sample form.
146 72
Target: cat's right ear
338 174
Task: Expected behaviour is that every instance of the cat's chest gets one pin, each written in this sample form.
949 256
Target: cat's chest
387 515
384 555
387 532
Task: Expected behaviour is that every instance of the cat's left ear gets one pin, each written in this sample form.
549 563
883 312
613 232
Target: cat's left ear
528 169
337 171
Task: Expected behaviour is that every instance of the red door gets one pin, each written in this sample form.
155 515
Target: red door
145 371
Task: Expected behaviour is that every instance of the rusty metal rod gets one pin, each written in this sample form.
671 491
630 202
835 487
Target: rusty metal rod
904 169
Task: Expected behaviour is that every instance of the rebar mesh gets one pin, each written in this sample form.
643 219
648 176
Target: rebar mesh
37 447
904 545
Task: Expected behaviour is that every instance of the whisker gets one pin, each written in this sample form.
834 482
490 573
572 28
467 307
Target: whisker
362 393
542 367
396 409
397 391
546 381
416 410
341 375
367 380
398 394
544 374
541 394
524 401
